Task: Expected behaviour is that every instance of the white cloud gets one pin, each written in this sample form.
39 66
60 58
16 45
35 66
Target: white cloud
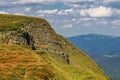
86 24
48 1
103 22
40 15
3 12
27 9
114 27
54 11
87 19
18 14
84 12
14 2
77 0
4 2
97 12
116 11
74 19
67 26
111 0
110 56
27 1
115 22
65 12
68 10
76 5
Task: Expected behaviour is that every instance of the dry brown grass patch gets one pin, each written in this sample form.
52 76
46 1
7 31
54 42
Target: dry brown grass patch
20 63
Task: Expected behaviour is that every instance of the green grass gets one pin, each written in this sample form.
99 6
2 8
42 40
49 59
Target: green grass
18 63
72 72
43 63
22 65
39 52
13 22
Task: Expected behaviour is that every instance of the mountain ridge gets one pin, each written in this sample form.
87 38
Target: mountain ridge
93 40
37 34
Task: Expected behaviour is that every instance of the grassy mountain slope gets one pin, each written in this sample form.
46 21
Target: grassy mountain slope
19 63
48 61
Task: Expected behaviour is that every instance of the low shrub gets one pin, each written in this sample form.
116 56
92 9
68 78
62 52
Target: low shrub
39 52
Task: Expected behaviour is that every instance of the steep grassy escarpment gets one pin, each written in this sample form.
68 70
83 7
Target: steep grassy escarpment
62 61
19 63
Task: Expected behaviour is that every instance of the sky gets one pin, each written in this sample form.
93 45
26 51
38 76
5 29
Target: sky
70 17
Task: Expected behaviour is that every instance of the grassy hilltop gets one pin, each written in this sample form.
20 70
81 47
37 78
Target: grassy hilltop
48 61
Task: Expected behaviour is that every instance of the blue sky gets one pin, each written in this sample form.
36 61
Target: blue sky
70 17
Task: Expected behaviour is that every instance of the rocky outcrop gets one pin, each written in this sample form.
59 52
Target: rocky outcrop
36 36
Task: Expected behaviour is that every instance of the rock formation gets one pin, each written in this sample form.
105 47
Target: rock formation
35 37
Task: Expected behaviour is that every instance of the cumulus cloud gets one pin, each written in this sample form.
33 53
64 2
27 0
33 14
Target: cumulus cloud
77 0
87 19
18 14
4 2
97 12
115 22
3 12
103 22
111 0
65 12
28 9
27 1
48 1
67 26
74 19
54 11
116 11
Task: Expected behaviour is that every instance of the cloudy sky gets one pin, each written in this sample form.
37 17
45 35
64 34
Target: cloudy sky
70 17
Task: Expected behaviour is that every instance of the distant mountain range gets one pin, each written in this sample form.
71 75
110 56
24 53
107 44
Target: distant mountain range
105 50
97 43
